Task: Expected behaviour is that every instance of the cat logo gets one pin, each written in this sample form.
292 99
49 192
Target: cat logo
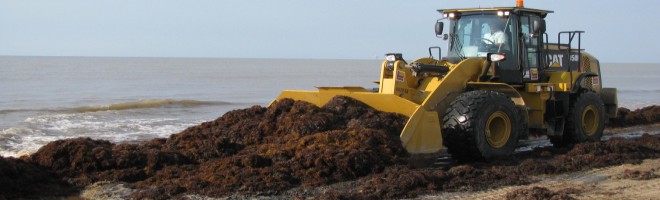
556 60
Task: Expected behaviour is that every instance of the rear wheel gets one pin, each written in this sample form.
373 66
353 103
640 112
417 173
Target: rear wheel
586 119
481 125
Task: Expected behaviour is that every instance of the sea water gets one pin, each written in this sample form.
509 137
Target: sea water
43 99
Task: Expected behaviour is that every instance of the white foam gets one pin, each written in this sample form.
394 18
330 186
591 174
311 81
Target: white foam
41 130
17 142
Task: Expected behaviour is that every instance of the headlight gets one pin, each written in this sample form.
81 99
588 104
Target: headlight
390 58
503 13
495 57
450 15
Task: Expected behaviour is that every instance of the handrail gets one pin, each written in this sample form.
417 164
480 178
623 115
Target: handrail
571 35
544 42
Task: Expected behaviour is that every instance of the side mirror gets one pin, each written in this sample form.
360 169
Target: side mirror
438 28
539 27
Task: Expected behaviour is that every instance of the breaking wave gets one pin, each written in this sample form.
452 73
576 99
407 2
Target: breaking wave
147 103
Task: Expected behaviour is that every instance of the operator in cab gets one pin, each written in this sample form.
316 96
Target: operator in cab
496 36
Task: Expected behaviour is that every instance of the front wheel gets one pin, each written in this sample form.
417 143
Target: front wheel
481 125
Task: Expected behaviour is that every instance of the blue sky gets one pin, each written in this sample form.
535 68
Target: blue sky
616 31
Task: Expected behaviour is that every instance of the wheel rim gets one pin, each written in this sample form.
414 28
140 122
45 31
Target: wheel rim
590 120
498 129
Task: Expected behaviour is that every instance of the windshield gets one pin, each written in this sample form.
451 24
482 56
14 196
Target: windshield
478 34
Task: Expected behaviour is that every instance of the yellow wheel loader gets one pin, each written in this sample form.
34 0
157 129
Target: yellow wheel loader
501 81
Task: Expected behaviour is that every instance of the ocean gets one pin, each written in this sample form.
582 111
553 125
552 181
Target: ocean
43 99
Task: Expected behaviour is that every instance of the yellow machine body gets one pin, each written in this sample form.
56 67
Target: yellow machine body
424 98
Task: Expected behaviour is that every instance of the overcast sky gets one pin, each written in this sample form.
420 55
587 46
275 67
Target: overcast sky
616 31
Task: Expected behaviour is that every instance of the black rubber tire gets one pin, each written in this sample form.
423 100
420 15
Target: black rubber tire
464 125
590 105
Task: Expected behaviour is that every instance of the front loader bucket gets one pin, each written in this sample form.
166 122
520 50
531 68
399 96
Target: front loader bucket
422 131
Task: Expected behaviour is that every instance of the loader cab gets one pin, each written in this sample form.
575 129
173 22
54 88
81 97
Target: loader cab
515 32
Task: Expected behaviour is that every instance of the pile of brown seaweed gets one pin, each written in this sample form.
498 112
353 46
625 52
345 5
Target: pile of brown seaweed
641 116
266 151
256 151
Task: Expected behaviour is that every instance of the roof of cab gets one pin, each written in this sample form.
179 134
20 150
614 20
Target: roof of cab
513 9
